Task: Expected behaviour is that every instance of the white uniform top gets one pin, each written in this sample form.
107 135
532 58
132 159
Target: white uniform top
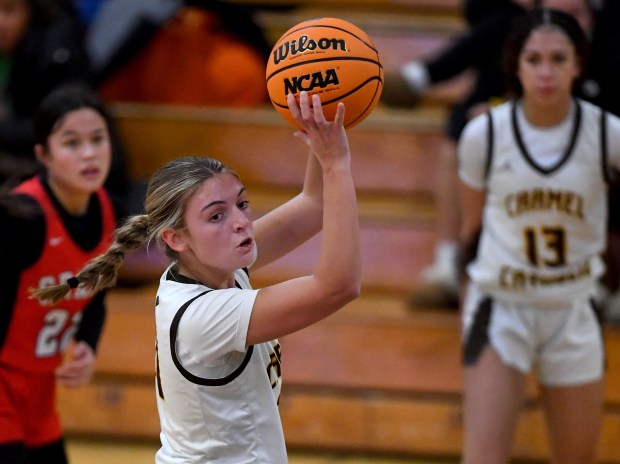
217 400
544 222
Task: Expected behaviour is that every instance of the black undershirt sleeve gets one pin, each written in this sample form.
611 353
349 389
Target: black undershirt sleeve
93 318
22 236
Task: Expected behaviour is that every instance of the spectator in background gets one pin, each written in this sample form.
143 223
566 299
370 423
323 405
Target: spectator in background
178 52
479 48
86 10
116 31
41 49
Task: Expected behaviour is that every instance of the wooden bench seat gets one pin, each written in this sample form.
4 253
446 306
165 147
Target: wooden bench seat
260 146
392 258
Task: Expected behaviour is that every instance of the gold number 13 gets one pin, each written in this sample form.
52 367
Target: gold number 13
545 247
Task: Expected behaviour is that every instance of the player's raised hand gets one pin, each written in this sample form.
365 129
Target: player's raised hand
327 139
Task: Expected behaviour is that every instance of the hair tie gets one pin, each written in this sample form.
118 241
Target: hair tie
73 282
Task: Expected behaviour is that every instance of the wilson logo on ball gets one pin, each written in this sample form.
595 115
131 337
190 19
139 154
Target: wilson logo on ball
305 44
331 58
309 82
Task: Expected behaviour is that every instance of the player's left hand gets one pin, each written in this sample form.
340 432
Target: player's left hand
78 367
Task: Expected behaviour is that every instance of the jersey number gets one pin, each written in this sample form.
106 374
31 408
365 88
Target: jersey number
545 247
274 371
55 335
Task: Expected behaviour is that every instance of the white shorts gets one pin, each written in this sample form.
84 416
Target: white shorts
564 345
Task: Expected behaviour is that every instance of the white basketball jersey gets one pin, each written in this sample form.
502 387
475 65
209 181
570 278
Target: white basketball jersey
544 227
217 400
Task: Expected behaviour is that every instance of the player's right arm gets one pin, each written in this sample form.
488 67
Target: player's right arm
22 237
472 153
294 304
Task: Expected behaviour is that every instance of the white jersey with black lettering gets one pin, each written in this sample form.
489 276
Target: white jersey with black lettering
217 399
544 222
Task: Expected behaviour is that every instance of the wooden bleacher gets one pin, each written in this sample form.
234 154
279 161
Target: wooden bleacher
375 377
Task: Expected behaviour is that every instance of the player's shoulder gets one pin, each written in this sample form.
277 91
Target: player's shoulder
593 113
18 208
477 127
589 109
487 120
501 112
22 235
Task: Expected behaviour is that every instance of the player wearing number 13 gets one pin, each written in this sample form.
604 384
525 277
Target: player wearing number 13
534 174
51 225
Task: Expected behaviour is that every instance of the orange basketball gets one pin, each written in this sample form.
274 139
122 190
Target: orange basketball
329 57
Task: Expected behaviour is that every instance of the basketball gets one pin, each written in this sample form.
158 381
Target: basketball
329 57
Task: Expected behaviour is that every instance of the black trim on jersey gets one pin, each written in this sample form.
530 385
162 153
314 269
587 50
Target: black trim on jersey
569 149
604 147
160 390
490 143
174 276
478 336
174 328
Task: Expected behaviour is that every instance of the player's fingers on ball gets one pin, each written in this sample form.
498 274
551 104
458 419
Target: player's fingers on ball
317 109
304 105
293 106
340 112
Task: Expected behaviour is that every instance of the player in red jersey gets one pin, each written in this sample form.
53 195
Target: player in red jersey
52 225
